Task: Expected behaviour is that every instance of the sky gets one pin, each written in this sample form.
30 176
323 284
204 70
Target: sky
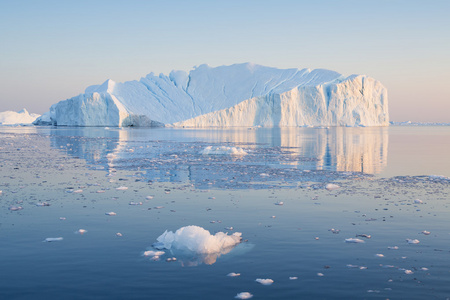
53 50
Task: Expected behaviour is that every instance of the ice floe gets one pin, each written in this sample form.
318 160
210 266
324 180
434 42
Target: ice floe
57 239
266 281
222 150
243 295
353 240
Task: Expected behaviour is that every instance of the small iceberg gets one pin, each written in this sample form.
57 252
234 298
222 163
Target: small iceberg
57 239
243 295
353 240
223 150
267 281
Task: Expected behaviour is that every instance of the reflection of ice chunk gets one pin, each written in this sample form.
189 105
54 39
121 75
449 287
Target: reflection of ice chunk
223 150
243 295
352 240
197 239
267 281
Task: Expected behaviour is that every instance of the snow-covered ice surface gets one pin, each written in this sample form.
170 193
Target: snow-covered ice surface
22 117
171 185
237 95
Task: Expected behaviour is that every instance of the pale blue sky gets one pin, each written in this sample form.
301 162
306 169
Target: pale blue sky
53 50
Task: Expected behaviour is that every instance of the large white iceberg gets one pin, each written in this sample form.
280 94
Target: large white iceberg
237 95
22 117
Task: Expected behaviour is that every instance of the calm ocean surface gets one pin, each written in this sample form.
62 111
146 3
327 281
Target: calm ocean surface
393 185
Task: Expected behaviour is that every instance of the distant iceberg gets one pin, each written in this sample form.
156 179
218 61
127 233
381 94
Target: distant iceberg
22 117
237 95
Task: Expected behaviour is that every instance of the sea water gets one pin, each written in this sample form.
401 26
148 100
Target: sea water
104 195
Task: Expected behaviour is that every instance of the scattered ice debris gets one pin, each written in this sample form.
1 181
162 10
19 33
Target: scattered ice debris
320 274
279 203
197 239
409 272
426 232
232 274
111 213
171 259
353 240
367 236
42 204
122 188
332 186
15 208
223 150
335 231
293 278
135 203
118 234
267 281
149 197
81 231
393 247
243 295
379 255
57 239
412 241
418 201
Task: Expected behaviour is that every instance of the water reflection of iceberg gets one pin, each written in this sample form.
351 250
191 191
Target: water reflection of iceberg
174 154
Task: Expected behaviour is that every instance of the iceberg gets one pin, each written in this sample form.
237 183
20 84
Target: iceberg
22 117
237 95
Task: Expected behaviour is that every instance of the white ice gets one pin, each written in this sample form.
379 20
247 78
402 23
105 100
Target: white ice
22 117
197 239
266 281
53 239
243 295
353 240
223 150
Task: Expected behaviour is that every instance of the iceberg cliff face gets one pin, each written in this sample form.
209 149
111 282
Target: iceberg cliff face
236 95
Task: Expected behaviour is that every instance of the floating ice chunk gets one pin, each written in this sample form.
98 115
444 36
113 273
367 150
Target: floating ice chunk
393 247
62 218
332 186
100 191
135 203
118 234
418 201
223 150
15 208
320 274
149 197
229 228
279 203
57 239
426 232
81 231
267 281
335 231
409 272
78 191
170 259
243 295
424 269
353 240
153 253
111 213
367 236
122 188
379 255
197 239
412 241
293 278
232 274
42 204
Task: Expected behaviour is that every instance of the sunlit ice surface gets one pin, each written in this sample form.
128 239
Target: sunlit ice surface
67 181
